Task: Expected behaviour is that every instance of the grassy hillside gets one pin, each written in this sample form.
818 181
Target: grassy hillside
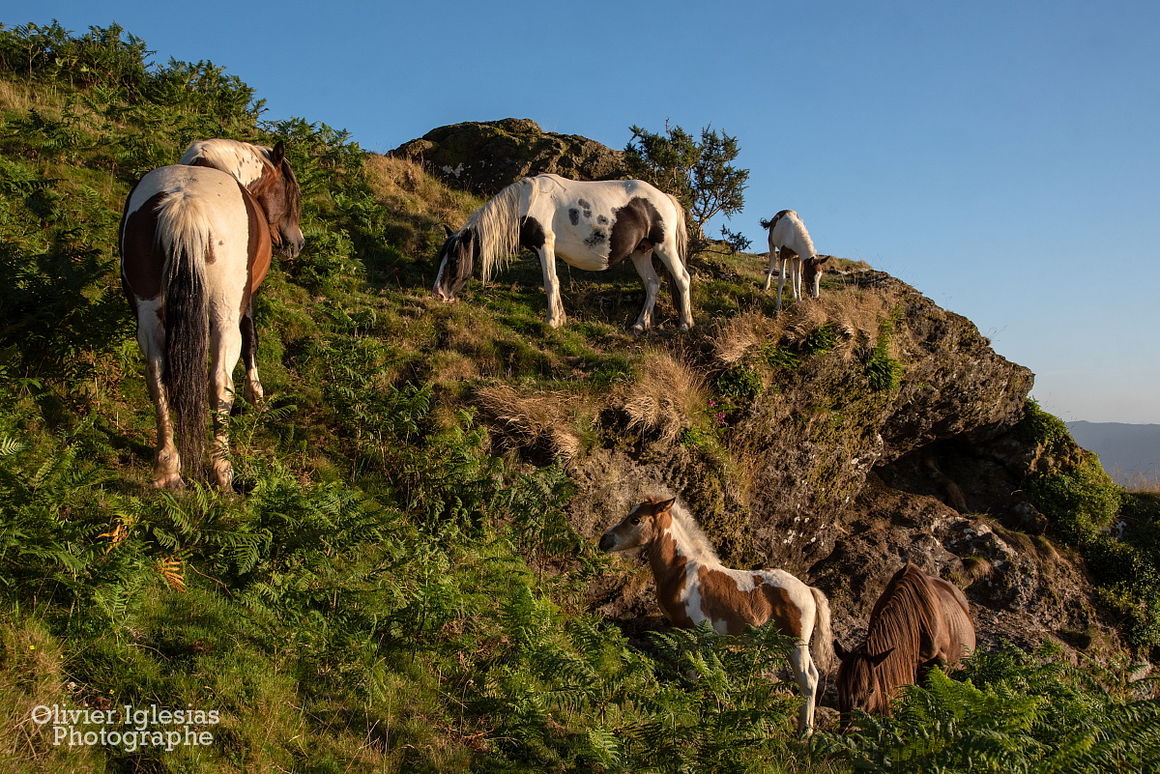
393 588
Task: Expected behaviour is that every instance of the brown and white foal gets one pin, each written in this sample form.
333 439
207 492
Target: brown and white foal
693 586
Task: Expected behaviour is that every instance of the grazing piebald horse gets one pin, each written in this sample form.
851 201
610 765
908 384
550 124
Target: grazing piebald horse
693 586
789 242
919 621
591 225
195 245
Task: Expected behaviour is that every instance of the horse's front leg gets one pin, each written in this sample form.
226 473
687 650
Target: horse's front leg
648 277
225 349
250 356
781 280
547 253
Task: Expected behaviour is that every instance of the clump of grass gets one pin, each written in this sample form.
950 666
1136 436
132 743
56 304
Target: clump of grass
666 396
883 371
532 420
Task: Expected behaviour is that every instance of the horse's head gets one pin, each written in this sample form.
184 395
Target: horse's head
278 193
859 686
638 528
812 273
456 260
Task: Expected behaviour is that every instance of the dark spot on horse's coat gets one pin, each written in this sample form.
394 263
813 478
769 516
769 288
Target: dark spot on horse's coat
602 220
636 227
596 238
574 216
586 206
532 233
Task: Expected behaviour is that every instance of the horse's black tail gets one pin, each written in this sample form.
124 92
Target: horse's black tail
184 237
766 223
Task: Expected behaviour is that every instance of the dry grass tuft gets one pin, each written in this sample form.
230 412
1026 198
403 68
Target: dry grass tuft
540 420
666 397
740 334
407 187
16 96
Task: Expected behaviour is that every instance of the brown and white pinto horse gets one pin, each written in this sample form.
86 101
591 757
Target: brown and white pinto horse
693 586
919 621
195 245
592 225
262 171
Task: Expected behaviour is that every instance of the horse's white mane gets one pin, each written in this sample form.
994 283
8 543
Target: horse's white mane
245 161
691 541
497 228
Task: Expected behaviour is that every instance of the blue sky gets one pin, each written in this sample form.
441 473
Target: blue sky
1004 158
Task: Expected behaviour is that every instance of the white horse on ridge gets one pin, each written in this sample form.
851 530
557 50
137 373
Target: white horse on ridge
790 243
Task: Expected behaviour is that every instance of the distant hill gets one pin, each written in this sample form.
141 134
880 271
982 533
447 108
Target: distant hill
1130 453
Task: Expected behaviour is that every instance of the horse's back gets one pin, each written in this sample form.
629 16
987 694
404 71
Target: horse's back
788 230
191 209
564 190
597 224
947 613
241 159
956 618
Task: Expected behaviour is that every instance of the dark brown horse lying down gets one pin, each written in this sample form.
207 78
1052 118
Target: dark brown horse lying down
918 622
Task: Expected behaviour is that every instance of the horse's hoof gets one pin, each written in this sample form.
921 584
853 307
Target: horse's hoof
637 329
255 393
223 476
686 326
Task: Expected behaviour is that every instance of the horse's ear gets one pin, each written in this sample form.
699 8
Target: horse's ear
661 507
823 259
839 651
447 228
278 153
876 660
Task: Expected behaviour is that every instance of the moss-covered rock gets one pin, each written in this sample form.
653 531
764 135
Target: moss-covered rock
483 157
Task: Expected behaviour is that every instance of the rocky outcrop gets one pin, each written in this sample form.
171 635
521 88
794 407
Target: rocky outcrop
484 157
815 462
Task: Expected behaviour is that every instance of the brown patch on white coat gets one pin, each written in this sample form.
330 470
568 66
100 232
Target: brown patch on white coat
693 586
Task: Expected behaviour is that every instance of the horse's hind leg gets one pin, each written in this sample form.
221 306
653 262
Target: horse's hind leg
769 271
226 349
151 338
250 356
807 677
650 280
781 279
